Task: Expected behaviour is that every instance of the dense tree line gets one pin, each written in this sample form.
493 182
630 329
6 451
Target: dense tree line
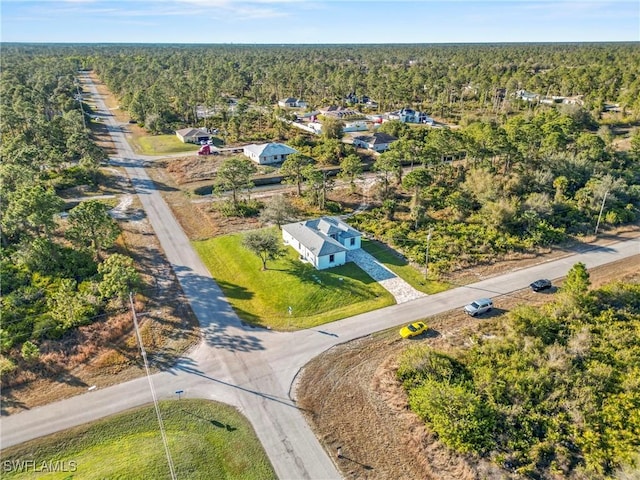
162 86
172 80
58 272
555 394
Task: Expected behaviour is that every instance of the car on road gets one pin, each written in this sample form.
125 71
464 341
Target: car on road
413 329
478 307
542 284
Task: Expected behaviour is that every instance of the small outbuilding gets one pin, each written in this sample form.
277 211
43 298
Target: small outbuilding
322 242
268 153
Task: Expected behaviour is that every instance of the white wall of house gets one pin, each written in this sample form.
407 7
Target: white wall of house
360 126
339 258
263 159
305 254
251 155
381 147
349 246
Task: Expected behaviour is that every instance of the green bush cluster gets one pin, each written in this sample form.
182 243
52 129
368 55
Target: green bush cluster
557 393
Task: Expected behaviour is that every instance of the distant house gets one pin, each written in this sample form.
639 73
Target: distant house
378 142
322 242
353 99
527 96
338 112
292 103
193 135
268 152
409 115
356 126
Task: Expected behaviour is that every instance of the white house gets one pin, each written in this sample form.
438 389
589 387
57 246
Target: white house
292 103
356 126
378 142
527 96
409 115
267 153
193 135
323 242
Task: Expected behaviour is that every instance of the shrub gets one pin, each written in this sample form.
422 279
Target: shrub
6 366
30 351
461 419
422 363
333 207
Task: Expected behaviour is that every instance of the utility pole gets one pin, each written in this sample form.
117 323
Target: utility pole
604 199
79 98
426 255
143 352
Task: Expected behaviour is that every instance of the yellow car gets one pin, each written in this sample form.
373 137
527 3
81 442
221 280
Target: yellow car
413 329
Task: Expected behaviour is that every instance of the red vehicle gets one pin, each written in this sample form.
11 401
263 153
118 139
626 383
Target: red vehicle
207 150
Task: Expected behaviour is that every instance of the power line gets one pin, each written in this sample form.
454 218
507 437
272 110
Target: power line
153 391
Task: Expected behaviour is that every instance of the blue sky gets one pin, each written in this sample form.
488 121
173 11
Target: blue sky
319 21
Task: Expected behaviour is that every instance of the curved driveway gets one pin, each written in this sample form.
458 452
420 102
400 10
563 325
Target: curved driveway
251 368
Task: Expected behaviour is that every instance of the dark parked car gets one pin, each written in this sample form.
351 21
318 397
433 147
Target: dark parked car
542 284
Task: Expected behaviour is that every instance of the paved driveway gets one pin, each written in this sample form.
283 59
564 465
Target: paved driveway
401 290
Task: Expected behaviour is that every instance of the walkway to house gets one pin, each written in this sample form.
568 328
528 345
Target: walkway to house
401 290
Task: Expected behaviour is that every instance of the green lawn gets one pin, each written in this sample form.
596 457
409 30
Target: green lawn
160 145
206 440
402 268
264 297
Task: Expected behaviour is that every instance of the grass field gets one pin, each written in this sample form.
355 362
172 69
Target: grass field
402 268
160 144
206 440
264 297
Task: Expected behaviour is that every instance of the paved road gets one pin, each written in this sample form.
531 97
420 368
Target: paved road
250 368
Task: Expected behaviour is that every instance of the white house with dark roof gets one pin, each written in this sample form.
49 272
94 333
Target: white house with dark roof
267 153
323 242
378 142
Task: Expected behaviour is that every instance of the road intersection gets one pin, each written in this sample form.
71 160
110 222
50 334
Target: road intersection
254 368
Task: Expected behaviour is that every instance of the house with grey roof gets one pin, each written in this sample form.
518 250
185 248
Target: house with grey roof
193 135
378 142
322 242
267 153
409 115
292 103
